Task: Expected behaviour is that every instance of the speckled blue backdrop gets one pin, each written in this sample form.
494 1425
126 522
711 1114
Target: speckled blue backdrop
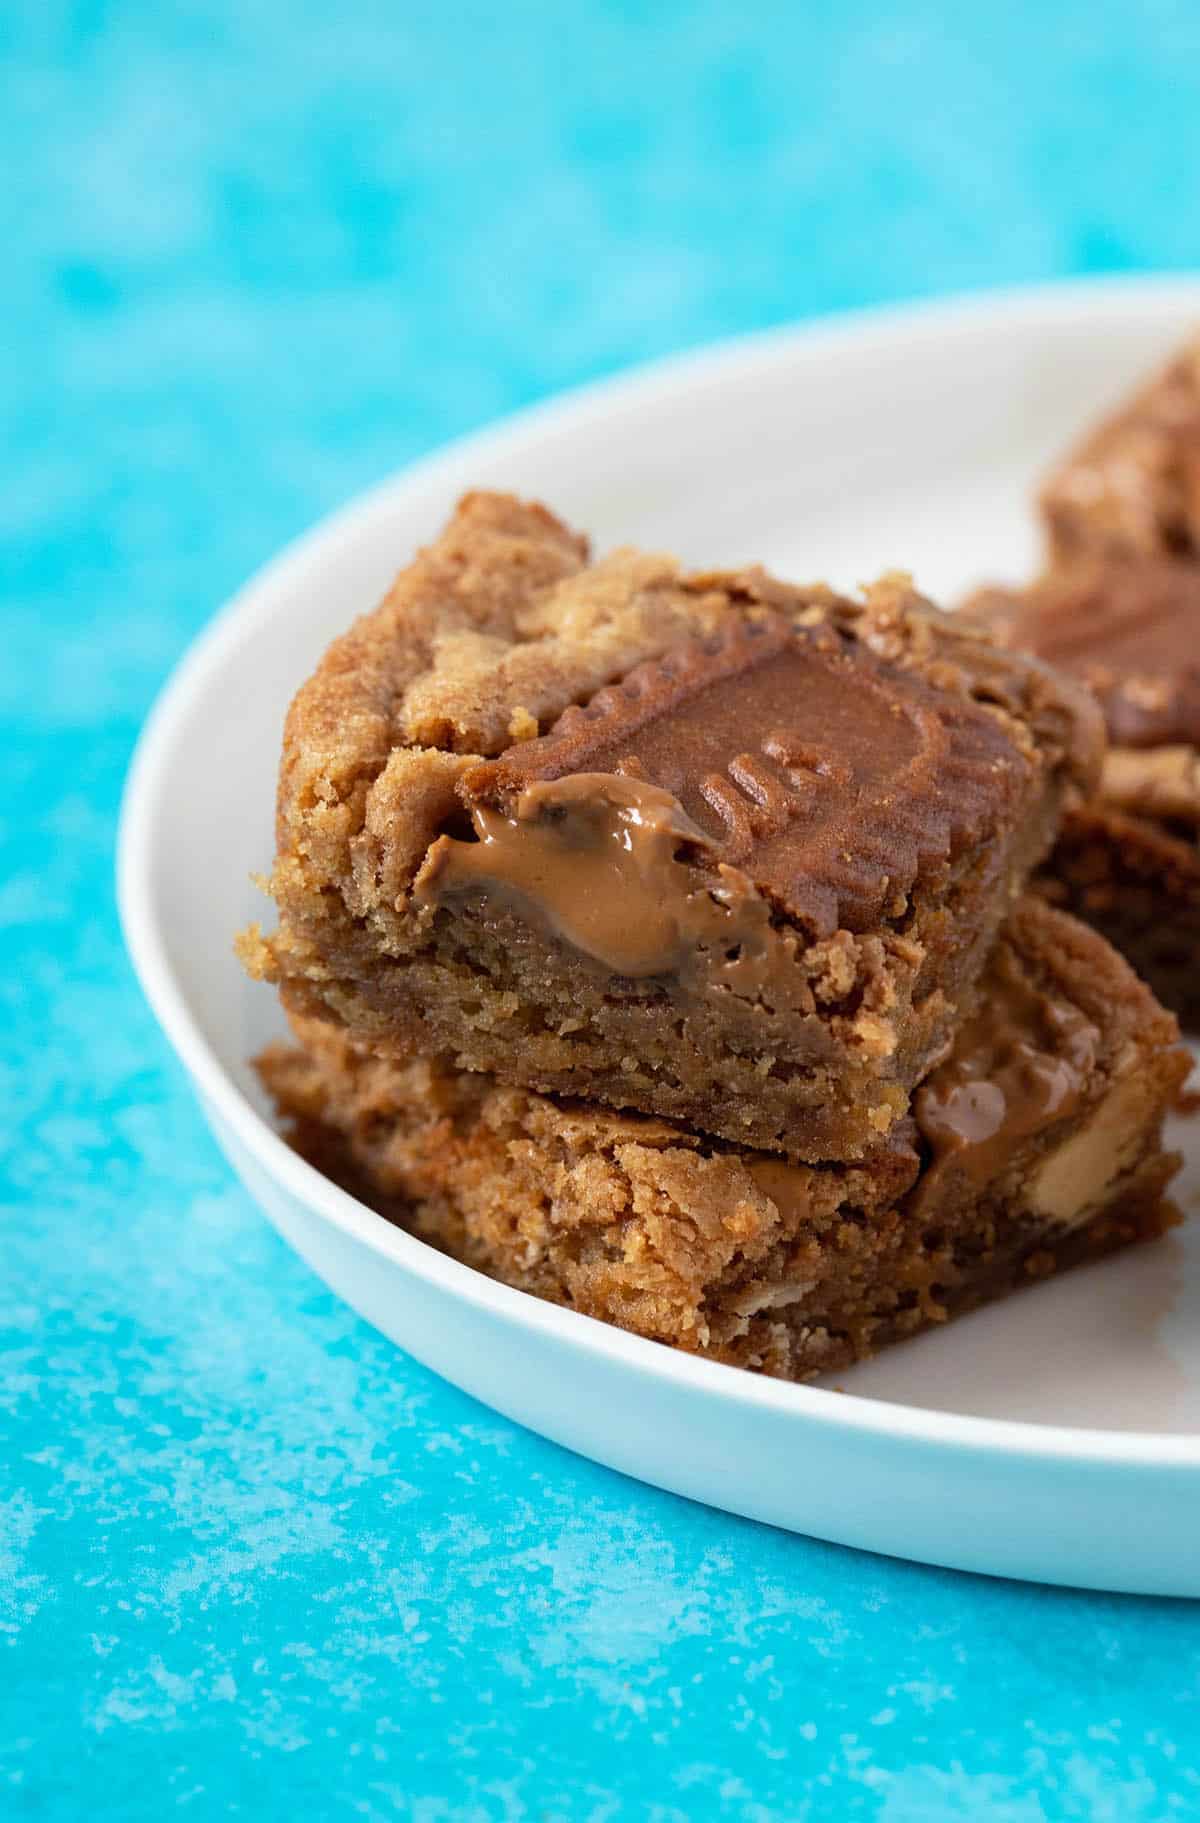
254 1562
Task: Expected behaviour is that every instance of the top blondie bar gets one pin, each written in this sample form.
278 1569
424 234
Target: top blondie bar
706 845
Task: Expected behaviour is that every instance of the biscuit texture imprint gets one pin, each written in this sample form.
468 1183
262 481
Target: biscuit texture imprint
1035 1144
1127 628
709 846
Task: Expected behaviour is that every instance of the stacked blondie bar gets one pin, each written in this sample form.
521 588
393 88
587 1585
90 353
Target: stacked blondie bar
1118 605
659 943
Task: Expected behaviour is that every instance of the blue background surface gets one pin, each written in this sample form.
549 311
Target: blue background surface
253 1561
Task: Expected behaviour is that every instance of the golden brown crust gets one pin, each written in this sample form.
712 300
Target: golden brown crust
499 623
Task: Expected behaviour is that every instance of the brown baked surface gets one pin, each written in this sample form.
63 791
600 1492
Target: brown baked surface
1131 486
1127 628
1128 862
788 1268
822 809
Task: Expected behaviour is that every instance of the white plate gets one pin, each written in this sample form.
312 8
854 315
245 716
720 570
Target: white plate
1055 1436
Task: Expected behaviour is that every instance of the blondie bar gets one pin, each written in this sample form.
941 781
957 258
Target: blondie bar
1034 1145
709 846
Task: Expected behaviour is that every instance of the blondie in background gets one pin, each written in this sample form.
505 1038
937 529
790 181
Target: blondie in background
253 1561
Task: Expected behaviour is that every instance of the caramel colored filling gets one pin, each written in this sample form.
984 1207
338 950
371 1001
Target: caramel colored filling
600 862
592 859
1022 1063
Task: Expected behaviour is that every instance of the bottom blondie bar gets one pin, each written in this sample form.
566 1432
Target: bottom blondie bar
1034 1145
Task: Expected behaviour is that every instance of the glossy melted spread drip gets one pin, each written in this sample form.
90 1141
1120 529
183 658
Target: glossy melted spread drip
608 865
1017 1067
596 859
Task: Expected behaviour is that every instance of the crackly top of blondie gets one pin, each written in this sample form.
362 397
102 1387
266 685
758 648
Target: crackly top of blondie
832 745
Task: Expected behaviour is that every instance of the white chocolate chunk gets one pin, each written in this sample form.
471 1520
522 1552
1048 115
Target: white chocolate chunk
1074 1177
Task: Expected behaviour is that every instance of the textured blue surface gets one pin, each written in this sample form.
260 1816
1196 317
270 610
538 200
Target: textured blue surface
253 1561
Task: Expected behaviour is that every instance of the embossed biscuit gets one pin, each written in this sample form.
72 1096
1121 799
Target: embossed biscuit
1128 628
834 782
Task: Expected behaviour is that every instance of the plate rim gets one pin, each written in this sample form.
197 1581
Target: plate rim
255 602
